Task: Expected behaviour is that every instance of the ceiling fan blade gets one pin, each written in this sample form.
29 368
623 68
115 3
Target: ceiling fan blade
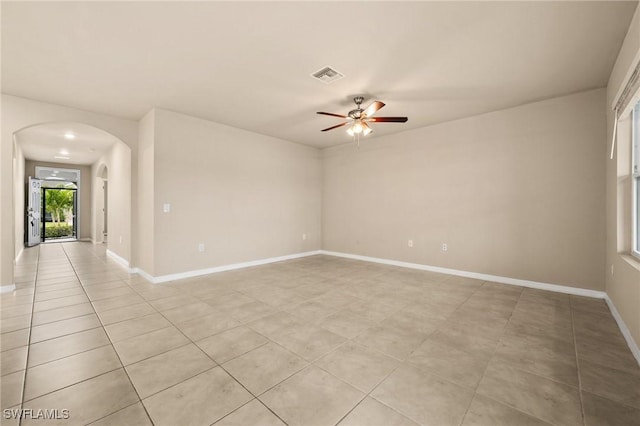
371 109
332 114
334 127
388 119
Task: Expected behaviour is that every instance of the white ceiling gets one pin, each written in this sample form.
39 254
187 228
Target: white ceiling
46 141
247 64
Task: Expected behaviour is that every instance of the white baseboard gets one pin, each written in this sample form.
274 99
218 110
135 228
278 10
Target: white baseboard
119 259
7 288
485 277
231 267
633 346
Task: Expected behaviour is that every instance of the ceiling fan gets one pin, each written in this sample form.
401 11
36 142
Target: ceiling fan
358 118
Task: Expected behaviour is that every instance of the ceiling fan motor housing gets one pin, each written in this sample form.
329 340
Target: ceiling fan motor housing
356 113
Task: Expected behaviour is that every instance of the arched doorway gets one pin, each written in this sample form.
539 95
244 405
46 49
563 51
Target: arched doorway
96 152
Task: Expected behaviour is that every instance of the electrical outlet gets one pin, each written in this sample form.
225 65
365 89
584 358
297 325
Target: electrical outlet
410 243
304 237
120 239
445 247
612 269
201 247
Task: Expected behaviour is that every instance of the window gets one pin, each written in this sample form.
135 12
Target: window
635 175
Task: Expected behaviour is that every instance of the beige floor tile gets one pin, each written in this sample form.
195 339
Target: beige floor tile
264 367
89 400
133 415
423 397
412 322
171 302
55 294
14 339
545 399
487 412
150 344
610 383
251 311
12 416
124 313
13 360
9 299
309 341
465 341
11 389
391 341
312 397
15 311
208 325
549 358
589 304
311 311
211 395
275 325
459 367
15 323
63 328
116 302
252 413
188 312
60 302
60 347
607 354
68 285
358 365
55 375
373 413
229 344
600 411
96 294
374 310
63 313
159 372
345 324
228 301
135 327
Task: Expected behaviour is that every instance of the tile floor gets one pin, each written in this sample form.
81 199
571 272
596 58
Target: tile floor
313 341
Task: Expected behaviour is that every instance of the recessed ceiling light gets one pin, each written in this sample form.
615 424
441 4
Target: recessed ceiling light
64 152
61 157
69 135
55 172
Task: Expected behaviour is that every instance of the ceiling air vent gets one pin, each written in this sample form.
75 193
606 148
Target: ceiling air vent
327 75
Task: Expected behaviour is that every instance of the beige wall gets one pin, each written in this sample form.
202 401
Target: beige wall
19 198
86 186
18 113
145 212
516 193
119 211
623 283
245 196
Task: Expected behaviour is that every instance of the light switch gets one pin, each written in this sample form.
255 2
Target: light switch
166 207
